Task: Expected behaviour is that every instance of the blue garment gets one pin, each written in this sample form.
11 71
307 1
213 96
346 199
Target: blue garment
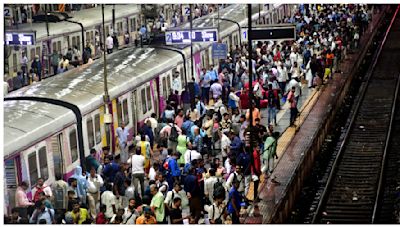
174 168
244 160
197 91
110 170
236 144
201 108
149 132
212 75
81 181
191 184
187 126
234 194
43 215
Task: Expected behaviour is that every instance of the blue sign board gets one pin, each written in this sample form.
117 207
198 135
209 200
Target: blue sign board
219 51
19 39
198 36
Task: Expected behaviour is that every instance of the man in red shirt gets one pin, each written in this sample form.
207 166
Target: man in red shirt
256 170
293 106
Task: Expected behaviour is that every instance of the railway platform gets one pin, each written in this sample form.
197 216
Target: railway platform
298 146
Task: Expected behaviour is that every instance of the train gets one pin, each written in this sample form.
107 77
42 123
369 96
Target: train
63 35
41 138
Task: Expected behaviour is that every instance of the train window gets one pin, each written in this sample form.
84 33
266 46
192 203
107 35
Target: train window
37 50
32 54
15 62
78 42
164 86
33 174
133 24
97 128
107 30
143 96
87 37
182 76
73 41
125 110
59 46
119 26
10 173
89 127
73 145
54 46
168 85
119 112
149 105
44 171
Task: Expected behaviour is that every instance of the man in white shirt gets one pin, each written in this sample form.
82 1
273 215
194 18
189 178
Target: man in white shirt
176 82
176 192
209 185
130 214
109 44
94 182
225 145
122 134
191 155
109 200
137 160
153 121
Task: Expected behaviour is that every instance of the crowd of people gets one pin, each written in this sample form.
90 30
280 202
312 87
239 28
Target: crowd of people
196 163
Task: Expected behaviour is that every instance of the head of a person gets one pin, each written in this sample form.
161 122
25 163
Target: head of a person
239 169
293 89
73 182
71 194
40 182
24 185
14 213
153 189
160 177
257 120
211 171
226 116
127 182
177 202
143 137
92 172
138 151
107 160
132 203
177 187
39 205
76 206
196 131
93 152
122 125
147 212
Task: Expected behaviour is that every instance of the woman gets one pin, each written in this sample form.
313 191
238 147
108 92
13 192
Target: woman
183 141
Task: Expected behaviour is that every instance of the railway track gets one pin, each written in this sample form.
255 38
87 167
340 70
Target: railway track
354 186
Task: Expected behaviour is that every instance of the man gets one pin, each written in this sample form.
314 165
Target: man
244 160
272 105
236 175
109 200
153 122
60 190
55 59
176 192
21 200
148 131
42 213
122 134
209 185
157 204
295 82
40 187
226 123
225 144
81 184
236 143
130 213
234 205
79 215
176 82
145 149
205 85
174 173
201 108
269 154
175 213
194 194
110 168
36 66
94 183
293 105
109 44
191 155
91 161
216 89
197 140
137 160
146 217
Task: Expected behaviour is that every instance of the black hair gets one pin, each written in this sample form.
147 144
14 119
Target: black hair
128 181
176 199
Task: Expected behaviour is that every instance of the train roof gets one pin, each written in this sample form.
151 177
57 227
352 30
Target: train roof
88 17
127 69
28 120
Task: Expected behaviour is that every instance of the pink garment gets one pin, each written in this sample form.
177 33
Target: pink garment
179 121
21 199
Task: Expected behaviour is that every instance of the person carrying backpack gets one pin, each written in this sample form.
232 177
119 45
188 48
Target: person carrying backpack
60 190
210 184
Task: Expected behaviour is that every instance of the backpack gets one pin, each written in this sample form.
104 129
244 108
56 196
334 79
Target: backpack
58 196
219 190
174 134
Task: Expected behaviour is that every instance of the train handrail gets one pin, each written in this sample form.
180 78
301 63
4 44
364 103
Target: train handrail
356 110
75 109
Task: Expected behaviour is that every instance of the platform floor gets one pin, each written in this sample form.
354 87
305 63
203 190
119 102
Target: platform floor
292 144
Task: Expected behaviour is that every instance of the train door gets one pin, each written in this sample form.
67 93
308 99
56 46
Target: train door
93 131
155 94
58 161
12 177
123 111
37 163
134 109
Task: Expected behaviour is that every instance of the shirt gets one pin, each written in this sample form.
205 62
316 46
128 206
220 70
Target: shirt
171 195
216 90
37 216
209 187
108 199
83 215
21 199
122 135
175 213
109 42
191 155
158 203
142 220
137 163
94 184
234 194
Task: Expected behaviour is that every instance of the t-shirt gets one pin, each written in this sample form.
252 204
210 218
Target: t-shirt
83 215
158 203
234 194
137 163
176 213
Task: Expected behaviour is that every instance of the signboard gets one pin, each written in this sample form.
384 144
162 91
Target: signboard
219 51
8 12
198 36
274 33
19 38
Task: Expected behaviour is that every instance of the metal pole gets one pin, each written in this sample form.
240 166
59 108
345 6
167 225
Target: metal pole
106 96
191 43
250 74
259 13
218 23
113 18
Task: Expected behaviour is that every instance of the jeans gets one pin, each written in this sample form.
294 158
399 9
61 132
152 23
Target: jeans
271 114
135 178
205 94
